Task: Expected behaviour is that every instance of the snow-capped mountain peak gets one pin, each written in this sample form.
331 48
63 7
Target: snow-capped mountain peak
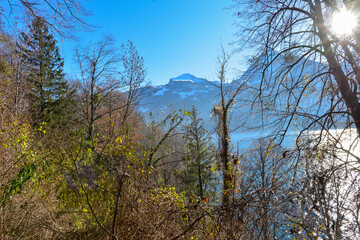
187 77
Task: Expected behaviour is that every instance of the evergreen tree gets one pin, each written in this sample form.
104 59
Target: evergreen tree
49 95
199 157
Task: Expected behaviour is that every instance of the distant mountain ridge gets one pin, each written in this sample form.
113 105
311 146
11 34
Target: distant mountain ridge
187 90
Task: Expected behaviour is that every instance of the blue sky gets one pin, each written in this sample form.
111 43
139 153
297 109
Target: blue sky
173 36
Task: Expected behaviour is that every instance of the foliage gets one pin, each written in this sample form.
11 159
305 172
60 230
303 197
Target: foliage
198 176
49 95
93 169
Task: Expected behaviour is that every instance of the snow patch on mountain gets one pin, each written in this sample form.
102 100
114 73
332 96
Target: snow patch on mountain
161 91
185 94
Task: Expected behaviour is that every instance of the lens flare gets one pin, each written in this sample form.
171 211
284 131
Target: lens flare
343 23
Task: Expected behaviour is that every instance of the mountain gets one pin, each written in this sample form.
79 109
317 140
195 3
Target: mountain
186 90
182 92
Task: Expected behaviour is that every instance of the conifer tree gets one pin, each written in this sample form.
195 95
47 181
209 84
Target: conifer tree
199 157
49 94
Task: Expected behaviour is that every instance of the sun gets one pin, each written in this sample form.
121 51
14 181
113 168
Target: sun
343 23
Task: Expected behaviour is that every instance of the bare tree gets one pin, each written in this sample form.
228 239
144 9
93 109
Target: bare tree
263 179
299 55
99 78
308 82
133 77
326 196
63 16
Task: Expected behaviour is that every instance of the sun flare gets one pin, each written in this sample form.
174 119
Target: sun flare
343 22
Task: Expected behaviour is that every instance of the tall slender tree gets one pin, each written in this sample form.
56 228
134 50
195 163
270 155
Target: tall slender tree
199 157
133 78
222 113
49 94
